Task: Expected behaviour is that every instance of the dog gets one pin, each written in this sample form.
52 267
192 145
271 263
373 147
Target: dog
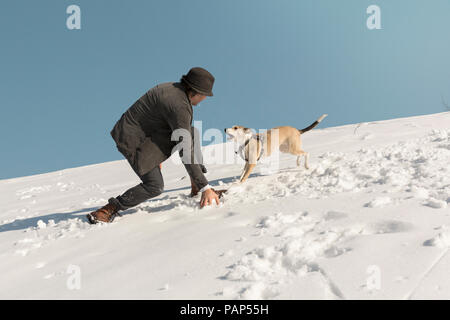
253 147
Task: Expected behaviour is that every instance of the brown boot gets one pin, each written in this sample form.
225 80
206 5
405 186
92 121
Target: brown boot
104 214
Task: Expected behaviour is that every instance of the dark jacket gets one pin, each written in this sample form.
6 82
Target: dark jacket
143 133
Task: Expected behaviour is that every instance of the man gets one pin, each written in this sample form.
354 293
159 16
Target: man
144 136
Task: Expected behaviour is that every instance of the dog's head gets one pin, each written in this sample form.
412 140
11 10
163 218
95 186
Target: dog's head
239 134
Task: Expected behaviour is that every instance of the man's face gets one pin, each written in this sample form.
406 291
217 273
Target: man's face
197 98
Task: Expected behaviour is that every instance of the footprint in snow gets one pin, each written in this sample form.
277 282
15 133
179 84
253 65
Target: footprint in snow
378 202
387 226
335 215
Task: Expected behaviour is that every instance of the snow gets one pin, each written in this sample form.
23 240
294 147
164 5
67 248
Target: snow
368 220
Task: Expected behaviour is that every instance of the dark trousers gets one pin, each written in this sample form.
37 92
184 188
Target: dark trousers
152 186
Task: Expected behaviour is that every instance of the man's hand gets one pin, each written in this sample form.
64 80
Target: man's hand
207 197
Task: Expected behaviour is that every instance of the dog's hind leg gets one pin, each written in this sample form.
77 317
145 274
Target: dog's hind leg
306 160
295 148
299 155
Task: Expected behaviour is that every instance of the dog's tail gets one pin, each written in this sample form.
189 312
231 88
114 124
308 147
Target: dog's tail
313 125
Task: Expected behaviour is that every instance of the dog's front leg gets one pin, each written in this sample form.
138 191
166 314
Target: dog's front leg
243 171
251 154
249 169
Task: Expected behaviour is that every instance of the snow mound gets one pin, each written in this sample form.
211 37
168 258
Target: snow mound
441 240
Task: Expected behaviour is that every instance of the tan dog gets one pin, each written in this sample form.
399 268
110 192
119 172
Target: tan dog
255 146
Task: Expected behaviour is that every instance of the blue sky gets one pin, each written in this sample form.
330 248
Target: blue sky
282 62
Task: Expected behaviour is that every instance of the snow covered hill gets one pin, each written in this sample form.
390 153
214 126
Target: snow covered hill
370 219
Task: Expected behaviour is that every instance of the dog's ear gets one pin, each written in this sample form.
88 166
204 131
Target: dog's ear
248 133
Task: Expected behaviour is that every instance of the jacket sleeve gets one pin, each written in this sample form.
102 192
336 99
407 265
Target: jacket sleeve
181 118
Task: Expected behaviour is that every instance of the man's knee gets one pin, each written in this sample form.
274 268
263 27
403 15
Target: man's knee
153 182
153 189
